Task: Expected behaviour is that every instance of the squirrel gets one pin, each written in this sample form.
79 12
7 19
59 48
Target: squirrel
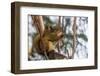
46 39
47 44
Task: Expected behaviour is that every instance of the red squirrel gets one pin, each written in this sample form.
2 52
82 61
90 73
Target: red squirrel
46 43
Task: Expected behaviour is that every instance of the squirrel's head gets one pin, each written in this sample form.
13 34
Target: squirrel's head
54 33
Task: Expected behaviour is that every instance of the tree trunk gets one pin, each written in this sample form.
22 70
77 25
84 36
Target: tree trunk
74 37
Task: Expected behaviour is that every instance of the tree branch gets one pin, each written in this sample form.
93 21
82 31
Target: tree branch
74 37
